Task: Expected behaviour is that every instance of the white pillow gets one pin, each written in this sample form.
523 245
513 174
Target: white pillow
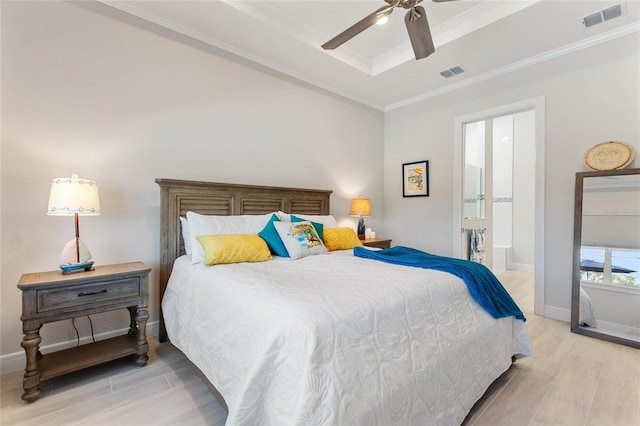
326 220
300 239
184 224
200 224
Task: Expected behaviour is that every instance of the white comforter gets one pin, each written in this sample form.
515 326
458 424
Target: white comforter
335 339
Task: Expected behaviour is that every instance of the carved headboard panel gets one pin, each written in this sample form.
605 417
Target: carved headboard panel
222 199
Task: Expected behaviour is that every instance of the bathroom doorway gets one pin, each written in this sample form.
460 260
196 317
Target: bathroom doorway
499 189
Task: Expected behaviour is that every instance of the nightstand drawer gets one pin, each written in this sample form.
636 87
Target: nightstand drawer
79 296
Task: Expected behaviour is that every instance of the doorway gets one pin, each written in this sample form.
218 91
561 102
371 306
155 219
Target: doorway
499 189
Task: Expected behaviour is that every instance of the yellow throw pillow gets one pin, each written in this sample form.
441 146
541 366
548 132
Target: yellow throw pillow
233 248
340 239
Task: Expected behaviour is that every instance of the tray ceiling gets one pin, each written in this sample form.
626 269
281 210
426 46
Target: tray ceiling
377 68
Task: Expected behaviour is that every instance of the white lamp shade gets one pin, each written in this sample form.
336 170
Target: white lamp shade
73 195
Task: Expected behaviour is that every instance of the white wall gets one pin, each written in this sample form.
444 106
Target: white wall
514 177
591 96
523 189
86 91
503 181
610 218
615 310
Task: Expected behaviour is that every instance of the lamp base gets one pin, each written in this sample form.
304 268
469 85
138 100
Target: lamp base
75 257
69 268
361 229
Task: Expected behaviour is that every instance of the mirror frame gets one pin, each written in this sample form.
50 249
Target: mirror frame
577 241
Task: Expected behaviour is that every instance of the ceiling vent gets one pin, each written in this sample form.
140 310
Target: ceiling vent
603 15
452 71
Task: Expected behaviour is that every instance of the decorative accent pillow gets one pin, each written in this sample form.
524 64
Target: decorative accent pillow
300 239
270 235
233 248
326 220
319 227
341 239
200 224
186 238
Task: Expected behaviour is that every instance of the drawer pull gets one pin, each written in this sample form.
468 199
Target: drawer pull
93 293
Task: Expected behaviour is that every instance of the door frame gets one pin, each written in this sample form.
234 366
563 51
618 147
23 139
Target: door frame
538 105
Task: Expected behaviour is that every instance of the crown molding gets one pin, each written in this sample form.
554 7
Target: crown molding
616 33
235 50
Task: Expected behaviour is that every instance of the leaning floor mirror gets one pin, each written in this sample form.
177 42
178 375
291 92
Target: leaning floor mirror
606 256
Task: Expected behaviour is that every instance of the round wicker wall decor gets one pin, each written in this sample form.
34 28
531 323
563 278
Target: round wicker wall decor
612 155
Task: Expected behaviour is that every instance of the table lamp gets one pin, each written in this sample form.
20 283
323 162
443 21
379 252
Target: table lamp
74 197
360 207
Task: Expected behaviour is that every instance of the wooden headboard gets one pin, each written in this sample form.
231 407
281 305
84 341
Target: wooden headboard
177 197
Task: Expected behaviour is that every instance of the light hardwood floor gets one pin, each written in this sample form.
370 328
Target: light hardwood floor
572 380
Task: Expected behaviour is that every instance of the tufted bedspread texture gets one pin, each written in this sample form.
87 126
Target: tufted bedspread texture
335 339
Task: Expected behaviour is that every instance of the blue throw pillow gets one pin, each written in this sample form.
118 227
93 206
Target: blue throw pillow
319 227
270 235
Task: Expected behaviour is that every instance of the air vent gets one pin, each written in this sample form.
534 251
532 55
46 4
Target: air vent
452 71
592 20
603 15
612 12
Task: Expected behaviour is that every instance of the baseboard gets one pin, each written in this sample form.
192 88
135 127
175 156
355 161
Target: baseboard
557 313
617 328
564 315
15 361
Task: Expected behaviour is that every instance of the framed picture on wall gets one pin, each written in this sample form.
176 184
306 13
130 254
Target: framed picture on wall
415 179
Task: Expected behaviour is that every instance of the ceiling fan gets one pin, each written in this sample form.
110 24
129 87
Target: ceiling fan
415 20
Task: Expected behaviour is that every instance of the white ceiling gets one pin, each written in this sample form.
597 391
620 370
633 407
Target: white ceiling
377 68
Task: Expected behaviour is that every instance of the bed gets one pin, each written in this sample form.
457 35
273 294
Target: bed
324 339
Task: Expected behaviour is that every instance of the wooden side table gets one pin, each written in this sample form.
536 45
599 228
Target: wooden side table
51 296
377 242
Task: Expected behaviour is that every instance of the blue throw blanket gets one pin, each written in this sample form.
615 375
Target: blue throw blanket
483 286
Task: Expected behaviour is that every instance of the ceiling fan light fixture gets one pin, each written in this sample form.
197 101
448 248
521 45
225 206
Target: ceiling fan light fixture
382 20
415 20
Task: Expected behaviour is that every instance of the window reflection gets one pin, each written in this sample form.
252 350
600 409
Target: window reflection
605 265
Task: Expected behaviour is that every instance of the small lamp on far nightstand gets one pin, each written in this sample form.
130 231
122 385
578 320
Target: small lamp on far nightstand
74 197
360 207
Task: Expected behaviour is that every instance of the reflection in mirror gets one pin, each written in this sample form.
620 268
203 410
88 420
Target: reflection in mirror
606 258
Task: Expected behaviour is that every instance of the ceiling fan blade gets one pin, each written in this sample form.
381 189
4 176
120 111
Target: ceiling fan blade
358 27
419 33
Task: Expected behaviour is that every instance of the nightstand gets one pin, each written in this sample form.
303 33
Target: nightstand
52 296
377 242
